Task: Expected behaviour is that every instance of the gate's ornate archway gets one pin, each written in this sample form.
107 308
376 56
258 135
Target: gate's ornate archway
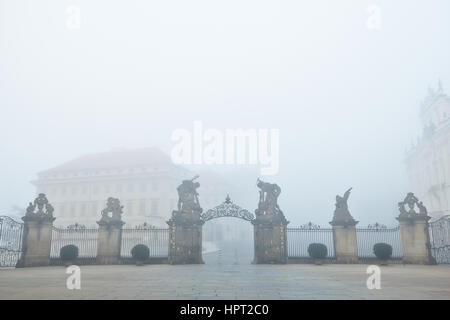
185 226
227 209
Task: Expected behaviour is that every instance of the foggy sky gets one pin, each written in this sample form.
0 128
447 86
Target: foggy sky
345 98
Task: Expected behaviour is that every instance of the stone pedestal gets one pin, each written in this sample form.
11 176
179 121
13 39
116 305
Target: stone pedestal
415 239
108 243
345 245
36 245
270 238
185 240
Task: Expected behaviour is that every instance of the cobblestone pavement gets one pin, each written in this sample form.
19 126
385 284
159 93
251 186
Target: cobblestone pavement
291 281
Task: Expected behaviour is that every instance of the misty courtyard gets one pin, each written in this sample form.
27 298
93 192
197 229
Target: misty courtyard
243 281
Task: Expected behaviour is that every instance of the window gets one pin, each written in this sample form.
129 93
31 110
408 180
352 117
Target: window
95 189
83 210
94 208
154 185
119 187
142 207
72 210
74 190
129 207
143 187
62 210
154 207
130 187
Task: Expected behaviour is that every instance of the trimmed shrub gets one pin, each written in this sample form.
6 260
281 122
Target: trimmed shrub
317 250
68 253
140 252
383 251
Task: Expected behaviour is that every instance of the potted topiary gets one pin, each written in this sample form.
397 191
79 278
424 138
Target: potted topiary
383 251
318 252
68 254
140 254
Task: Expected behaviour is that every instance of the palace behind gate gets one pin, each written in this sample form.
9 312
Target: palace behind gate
428 161
145 180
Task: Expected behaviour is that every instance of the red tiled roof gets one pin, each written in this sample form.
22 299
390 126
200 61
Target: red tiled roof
123 158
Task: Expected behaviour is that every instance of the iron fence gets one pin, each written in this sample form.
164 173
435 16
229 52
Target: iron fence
300 238
440 239
11 233
85 239
366 238
156 239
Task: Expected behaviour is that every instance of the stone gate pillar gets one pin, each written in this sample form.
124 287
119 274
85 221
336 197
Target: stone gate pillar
185 226
344 231
185 241
270 238
110 233
37 236
414 231
345 245
270 234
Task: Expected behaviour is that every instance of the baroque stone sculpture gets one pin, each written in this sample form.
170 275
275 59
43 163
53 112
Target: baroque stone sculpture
185 226
342 215
112 206
268 197
40 209
188 203
411 201
270 226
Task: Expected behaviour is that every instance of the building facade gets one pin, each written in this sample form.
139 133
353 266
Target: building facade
144 180
428 160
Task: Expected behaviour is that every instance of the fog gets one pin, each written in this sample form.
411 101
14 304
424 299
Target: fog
344 97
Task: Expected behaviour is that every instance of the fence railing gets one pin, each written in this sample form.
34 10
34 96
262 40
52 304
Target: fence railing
84 239
300 238
156 239
366 238
11 233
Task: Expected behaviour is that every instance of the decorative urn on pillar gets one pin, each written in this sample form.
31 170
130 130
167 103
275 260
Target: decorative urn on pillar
37 237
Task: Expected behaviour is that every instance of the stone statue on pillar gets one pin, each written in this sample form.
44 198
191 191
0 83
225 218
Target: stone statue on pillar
341 214
414 231
110 232
185 226
38 224
114 208
188 203
268 201
411 202
39 210
270 234
344 231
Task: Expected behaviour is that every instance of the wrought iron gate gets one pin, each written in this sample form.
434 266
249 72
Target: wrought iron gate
11 233
440 239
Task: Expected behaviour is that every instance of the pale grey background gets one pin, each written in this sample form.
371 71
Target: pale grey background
345 98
